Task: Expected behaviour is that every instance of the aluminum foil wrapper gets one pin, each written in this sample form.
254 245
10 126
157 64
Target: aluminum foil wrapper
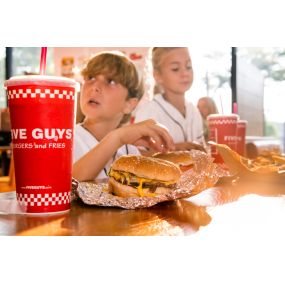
203 175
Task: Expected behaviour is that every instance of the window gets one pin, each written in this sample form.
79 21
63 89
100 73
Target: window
212 76
2 77
27 60
271 64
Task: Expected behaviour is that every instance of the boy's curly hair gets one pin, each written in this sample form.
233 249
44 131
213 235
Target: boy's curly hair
116 65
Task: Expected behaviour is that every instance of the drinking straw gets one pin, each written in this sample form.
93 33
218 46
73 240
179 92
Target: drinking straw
43 60
235 108
221 101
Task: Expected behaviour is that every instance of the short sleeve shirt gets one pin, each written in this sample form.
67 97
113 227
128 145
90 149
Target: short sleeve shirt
182 129
85 141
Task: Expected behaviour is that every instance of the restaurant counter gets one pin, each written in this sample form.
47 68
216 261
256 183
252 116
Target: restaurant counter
232 208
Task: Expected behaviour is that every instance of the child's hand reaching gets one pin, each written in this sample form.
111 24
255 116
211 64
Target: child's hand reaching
148 134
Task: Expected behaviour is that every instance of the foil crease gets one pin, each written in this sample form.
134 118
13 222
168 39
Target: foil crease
203 175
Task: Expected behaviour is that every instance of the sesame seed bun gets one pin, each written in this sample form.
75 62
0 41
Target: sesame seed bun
182 158
147 167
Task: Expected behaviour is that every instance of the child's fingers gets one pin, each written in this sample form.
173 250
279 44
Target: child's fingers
148 133
155 140
164 136
150 142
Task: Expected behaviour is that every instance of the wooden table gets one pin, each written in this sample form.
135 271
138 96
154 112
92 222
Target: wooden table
245 208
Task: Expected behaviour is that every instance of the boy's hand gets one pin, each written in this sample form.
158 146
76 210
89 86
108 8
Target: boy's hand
148 134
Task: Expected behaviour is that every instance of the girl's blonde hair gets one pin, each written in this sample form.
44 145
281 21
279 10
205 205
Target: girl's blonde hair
157 53
156 58
115 65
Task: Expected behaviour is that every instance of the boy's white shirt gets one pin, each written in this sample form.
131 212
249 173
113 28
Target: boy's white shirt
84 141
192 123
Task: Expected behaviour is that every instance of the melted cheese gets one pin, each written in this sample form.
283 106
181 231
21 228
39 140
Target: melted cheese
126 177
141 189
115 174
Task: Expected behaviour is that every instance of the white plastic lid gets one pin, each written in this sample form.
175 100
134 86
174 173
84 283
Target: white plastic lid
242 122
220 116
40 80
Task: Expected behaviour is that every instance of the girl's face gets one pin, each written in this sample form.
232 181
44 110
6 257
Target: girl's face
104 99
175 74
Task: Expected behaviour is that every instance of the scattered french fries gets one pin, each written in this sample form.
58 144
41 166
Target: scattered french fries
263 167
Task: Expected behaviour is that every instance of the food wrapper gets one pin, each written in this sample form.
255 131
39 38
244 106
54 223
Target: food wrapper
203 175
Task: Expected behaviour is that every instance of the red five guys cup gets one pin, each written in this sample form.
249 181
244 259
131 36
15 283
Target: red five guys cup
42 120
222 130
241 135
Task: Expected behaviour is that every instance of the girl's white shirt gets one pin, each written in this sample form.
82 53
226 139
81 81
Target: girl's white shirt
182 129
84 141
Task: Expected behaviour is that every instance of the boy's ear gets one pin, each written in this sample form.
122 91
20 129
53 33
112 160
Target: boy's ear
130 105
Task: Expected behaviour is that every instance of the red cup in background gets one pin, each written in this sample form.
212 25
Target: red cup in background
222 130
240 137
42 122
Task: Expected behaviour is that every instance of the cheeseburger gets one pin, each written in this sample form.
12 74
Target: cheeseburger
182 158
139 176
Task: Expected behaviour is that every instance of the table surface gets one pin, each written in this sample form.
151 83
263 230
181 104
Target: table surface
5 147
225 209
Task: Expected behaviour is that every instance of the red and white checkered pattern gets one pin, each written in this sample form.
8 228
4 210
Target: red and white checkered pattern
31 93
46 199
222 122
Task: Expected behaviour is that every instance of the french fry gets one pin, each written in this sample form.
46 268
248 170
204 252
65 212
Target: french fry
242 166
279 159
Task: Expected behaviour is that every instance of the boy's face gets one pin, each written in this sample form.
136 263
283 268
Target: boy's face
103 99
175 74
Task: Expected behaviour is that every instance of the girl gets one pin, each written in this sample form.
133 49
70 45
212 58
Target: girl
110 92
172 71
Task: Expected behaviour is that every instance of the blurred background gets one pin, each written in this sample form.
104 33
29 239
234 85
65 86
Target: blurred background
251 77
